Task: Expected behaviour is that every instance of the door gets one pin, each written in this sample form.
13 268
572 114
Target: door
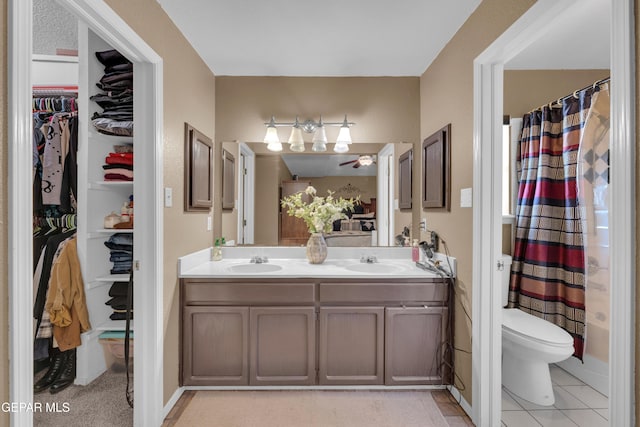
415 345
283 346
216 346
351 345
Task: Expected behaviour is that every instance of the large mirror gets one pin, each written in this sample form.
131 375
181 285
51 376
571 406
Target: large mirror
270 176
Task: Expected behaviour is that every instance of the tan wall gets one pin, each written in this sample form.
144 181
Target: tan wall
525 90
4 273
446 96
385 109
229 217
189 91
272 171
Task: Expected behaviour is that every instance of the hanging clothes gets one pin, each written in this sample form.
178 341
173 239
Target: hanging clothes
548 270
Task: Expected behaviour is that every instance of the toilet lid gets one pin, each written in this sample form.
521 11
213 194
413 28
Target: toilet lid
534 327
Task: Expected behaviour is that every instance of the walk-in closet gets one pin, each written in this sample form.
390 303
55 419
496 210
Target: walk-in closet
83 222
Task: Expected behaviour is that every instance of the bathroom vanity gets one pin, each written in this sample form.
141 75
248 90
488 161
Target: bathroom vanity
286 322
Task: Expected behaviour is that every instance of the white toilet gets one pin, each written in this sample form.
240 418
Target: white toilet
529 344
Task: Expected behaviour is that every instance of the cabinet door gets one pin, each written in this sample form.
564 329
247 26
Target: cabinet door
351 345
283 345
216 346
414 347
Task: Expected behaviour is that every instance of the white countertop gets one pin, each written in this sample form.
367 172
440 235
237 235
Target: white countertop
292 263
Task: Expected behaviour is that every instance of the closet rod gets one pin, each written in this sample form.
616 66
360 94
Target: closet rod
558 102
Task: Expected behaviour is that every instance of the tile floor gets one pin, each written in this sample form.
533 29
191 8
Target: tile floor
577 404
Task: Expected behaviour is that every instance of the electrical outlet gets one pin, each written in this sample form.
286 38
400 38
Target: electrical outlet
168 197
423 224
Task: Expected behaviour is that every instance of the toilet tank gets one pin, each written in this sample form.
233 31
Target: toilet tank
506 276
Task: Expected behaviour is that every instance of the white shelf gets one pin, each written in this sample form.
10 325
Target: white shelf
108 185
113 278
109 138
113 325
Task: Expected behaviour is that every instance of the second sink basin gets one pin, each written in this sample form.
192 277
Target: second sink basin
374 268
254 268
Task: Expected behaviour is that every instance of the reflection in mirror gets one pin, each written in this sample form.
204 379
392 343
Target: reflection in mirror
347 175
260 175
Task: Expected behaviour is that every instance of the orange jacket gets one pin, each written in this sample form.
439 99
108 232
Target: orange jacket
66 302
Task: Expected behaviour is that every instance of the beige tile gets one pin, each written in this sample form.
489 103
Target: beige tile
519 419
604 413
565 400
552 418
586 417
589 396
561 377
509 403
454 421
529 406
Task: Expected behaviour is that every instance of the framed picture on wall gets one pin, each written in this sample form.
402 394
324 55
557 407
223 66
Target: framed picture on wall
198 179
228 180
436 170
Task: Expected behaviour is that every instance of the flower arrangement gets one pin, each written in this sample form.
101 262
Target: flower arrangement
321 212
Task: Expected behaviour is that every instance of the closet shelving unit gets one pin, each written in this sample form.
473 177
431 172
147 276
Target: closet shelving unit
96 199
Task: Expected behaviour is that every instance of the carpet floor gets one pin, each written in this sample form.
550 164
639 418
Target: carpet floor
312 409
99 404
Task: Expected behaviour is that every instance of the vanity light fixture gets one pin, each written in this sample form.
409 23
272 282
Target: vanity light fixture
296 142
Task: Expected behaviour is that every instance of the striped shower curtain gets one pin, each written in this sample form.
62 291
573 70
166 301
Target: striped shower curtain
548 270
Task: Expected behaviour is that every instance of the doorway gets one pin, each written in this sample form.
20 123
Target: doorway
101 19
488 110
246 195
385 222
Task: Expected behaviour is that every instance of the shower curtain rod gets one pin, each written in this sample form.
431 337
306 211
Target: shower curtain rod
558 102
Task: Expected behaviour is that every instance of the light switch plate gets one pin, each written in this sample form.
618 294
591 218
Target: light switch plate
168 197
466 196
209 223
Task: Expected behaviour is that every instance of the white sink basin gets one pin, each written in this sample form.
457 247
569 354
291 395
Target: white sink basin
254 268
374 268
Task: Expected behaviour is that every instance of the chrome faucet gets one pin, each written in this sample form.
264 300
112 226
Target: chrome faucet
369 259
259 260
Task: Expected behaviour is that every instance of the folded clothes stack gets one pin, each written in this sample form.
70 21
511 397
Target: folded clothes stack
118 300
121 246
118 167
116 100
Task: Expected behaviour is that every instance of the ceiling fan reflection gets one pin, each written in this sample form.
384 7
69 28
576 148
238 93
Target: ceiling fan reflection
364 160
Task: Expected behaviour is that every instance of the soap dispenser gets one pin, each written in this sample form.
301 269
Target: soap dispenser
217 251
415 251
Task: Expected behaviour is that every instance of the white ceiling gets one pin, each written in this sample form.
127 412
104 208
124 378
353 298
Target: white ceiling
319 165
321 38
580 41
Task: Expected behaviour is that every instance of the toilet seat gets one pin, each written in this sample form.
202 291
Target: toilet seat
532 328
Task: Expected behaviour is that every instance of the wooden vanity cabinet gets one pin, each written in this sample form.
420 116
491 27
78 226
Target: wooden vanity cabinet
415 345
215 344
282 346
305 331
351 345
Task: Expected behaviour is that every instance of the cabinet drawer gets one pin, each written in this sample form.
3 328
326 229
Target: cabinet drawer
383 292
212 293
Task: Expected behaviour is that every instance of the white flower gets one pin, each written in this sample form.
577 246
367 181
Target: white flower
310 190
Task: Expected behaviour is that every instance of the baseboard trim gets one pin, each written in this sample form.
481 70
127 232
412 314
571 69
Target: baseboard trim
172 401
458 396
316 387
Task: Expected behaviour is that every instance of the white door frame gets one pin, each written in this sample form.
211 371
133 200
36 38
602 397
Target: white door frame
488 98
385 211
246 192
148 195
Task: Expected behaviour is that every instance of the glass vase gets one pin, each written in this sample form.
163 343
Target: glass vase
316 248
